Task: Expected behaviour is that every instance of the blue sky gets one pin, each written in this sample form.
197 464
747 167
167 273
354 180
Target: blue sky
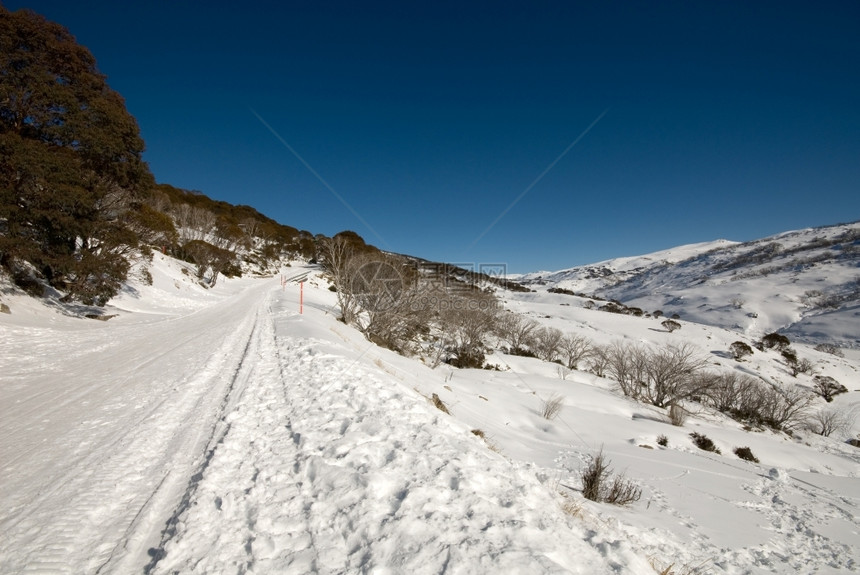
728 119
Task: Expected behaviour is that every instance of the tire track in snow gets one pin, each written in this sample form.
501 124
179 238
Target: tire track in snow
98 511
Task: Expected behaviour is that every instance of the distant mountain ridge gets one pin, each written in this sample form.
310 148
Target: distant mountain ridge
805 283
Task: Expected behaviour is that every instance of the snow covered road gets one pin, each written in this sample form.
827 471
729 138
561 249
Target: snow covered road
101 426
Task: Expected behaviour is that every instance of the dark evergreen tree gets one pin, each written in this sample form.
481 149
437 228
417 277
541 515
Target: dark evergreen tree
70 162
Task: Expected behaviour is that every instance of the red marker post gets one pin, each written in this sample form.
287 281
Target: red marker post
299 279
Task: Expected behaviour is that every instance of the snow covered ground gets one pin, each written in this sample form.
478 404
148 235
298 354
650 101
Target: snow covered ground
219 431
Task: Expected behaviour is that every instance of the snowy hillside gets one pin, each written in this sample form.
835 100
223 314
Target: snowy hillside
220 431
805 284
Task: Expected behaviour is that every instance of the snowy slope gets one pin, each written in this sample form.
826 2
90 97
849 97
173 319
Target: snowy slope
219 431
804 283
592 278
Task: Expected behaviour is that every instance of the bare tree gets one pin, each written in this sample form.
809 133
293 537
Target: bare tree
575 349
730 390
600 359
194 223
672 374
831 420
392 309
786 407
251 227
827 387
337 256
467 322
517 331
548 343
830 348
626 366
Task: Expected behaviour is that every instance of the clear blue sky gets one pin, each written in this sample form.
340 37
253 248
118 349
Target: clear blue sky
727 119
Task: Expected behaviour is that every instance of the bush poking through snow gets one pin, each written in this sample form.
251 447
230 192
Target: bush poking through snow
671 325
746 454
440 405
827 387
830 348
551 407
677 415
740 350
490 445
662 441
599 485
663 376
704 443
795 364
775 341
569 506
671 569
757 403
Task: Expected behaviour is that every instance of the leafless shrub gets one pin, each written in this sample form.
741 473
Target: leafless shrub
575 349
677 415
548 343
831 420
551 407
599 360
466 323
785 408
671 374
662 568
440 405
516 330
664 376
625 365
830 348
758 403
599 485
569 506
337 256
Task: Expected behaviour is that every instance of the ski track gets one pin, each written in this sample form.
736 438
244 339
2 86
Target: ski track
328 467
105 473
